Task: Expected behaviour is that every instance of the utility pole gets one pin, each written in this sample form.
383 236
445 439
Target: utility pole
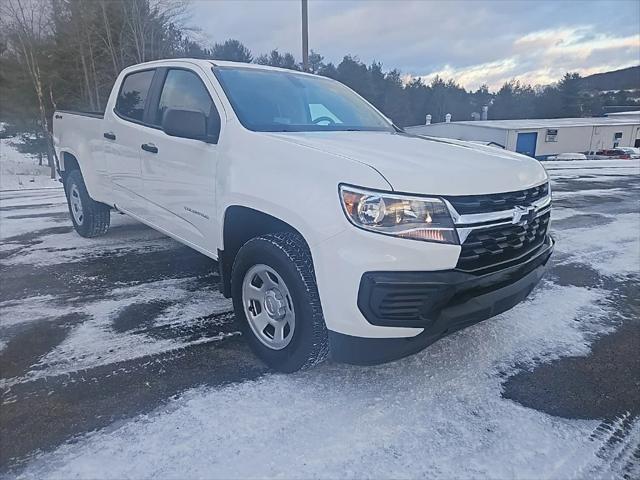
305 37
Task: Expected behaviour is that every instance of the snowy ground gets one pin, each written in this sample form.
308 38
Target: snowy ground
19 171
119 359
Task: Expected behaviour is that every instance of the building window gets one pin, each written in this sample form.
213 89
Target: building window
616 139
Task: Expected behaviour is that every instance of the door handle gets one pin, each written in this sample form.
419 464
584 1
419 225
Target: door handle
149 147
58 116
109 135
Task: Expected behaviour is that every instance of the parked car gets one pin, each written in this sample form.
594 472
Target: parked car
334 230
567 156
609 154
633 152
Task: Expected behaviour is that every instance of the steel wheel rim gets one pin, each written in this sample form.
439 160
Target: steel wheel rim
268 307
76 204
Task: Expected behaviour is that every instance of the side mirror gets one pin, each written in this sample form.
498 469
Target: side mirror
185 124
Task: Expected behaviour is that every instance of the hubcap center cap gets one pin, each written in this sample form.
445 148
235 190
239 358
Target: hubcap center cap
275 304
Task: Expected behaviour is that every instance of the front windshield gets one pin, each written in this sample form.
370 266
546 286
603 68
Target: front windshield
277 101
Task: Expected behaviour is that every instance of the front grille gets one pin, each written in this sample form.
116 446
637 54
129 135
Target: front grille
469 204
495 246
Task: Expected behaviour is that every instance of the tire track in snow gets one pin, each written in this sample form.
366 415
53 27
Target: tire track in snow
618 442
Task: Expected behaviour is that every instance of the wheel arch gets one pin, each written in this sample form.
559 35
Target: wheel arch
240 225
68 162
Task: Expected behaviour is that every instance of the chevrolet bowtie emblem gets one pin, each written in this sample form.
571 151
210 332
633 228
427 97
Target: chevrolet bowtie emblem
523 215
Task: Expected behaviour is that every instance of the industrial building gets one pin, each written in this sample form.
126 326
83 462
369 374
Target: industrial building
541 138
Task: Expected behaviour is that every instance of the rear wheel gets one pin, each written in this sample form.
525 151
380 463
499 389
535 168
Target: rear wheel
90 218
276 300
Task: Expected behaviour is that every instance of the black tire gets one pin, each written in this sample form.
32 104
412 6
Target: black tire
96 216
288 254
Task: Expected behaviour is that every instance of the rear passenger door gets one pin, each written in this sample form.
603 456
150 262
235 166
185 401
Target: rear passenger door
123 130
178 174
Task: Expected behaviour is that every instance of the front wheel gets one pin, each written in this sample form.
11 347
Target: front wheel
90 218
276 300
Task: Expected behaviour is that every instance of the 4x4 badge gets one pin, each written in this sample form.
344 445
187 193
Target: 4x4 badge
523 215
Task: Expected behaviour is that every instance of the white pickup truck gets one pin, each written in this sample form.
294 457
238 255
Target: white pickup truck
334 231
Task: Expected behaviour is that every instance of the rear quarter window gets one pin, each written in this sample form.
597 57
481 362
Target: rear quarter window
133 94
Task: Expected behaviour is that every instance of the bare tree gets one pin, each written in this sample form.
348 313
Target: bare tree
27 25
148 22
107 38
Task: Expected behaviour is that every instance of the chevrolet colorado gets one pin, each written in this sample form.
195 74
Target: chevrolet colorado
334 231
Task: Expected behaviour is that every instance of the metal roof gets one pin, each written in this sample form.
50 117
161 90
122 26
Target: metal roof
633 113
547 122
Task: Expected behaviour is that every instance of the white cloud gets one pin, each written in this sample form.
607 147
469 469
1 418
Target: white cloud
542 57
473 42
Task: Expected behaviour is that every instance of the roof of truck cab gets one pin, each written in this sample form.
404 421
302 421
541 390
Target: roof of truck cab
206 63
256 66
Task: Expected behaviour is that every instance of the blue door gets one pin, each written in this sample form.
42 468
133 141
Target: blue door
526 143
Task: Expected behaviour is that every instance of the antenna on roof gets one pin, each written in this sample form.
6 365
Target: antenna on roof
305 36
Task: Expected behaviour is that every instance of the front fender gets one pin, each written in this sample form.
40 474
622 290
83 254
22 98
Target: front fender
293 183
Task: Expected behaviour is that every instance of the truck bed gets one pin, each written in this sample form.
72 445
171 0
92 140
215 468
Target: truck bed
78 133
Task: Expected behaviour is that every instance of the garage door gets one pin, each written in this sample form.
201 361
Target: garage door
526 143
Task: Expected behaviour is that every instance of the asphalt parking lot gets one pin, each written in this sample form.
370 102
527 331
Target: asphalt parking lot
96 335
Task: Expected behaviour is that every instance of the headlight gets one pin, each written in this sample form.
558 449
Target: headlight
419 218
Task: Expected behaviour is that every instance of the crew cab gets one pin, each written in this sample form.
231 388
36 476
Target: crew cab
335 232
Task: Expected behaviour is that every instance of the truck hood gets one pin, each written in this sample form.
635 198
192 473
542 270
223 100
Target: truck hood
428 165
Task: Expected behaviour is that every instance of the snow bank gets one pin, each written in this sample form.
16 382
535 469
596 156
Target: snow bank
20 171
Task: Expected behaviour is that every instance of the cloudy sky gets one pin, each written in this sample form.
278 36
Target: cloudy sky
474 42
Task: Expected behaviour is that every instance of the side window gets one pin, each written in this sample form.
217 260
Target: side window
185 91
133 94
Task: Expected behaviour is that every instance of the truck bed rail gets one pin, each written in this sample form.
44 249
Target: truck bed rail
79 112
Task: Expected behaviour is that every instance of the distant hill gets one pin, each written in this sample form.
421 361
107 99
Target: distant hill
624 79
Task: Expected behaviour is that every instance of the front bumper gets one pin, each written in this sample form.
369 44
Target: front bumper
439 302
